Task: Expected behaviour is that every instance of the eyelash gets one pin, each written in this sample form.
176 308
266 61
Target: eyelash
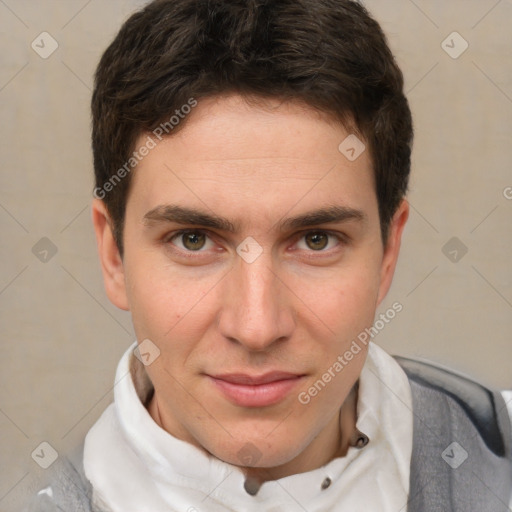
340 237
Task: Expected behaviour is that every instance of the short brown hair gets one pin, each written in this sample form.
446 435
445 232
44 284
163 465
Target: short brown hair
330 54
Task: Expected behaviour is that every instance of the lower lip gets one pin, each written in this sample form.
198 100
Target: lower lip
261 395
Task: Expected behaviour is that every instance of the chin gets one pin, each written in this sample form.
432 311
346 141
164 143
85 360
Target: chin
257 452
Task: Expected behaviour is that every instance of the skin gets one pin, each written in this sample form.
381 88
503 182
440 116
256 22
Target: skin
295 308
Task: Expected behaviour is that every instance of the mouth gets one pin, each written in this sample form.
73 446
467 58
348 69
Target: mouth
256 390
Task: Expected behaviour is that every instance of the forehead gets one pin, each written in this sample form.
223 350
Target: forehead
264 158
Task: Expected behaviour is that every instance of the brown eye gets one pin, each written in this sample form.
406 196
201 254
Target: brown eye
193 241
317 241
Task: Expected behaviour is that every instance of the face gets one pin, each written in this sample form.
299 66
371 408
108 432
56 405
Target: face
252 259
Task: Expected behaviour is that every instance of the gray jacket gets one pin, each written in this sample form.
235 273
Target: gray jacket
461 458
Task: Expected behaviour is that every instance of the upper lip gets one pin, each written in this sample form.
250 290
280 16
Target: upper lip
255 380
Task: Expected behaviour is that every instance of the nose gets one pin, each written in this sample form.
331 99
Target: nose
257 307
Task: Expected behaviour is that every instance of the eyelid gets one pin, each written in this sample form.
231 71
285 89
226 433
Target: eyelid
167 239
342 239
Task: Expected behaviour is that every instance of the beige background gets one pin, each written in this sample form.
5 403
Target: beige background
61 338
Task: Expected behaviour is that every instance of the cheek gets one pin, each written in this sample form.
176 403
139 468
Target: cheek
346 307
159 298
343 300
357 298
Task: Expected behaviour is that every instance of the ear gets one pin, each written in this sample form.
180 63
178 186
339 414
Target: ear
110 258
392 249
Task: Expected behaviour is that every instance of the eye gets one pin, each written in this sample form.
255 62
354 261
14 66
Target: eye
318 241
191 240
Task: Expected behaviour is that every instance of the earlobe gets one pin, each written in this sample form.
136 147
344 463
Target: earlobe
111 262
392 248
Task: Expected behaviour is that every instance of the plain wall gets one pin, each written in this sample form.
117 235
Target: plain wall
62 339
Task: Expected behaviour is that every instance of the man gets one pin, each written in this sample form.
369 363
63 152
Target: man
252 160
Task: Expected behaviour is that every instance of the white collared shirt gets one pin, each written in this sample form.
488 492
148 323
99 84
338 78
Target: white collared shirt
136 466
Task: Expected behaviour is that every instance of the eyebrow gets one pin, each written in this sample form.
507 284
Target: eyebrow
192 216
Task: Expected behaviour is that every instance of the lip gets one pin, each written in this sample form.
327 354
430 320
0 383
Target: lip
256 390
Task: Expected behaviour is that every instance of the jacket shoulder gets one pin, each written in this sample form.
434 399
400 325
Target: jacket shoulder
482 405
67 487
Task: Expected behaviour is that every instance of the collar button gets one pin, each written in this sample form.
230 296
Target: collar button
326 483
